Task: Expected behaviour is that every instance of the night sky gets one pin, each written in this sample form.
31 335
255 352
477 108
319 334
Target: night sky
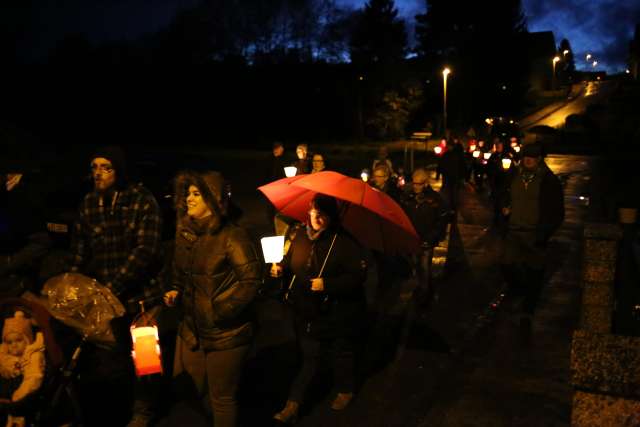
600 27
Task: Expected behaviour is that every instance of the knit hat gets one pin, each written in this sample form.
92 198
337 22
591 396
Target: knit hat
18 324
532 150
327 205
118 160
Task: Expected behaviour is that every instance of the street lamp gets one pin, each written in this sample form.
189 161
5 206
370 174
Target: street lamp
588 57
594 64
555 61
564 52
445 73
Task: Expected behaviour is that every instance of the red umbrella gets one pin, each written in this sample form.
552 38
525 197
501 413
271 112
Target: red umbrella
370 215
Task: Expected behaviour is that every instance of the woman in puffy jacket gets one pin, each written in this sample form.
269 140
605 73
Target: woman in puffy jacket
216 274
328 300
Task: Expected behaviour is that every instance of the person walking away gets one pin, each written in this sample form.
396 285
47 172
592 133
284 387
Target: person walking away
452 167
534 206
328 301
216 277
117 241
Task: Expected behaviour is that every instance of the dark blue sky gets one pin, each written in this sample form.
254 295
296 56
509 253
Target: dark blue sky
600 27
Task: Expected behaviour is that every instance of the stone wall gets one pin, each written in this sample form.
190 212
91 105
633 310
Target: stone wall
605 368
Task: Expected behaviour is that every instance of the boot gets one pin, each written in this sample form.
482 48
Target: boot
341 401
289 415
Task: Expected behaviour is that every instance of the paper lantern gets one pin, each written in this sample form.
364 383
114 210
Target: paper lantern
364 175
290 171
272 248
516 148
506 163
437 149
487 156
146 350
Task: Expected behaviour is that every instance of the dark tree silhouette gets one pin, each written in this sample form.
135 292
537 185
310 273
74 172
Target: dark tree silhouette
566 68
379 36
485 50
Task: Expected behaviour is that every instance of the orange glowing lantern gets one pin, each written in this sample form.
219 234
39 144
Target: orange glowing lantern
146 347
472 148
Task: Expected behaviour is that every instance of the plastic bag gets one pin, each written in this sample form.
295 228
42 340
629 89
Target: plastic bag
83 304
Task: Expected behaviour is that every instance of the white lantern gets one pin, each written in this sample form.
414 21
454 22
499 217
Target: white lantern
516 148
506 163
272 248
290 171
364 175
437 149
476 154
487 156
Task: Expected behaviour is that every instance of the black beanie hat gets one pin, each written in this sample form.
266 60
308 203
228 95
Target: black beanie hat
327 205
117 158
532 150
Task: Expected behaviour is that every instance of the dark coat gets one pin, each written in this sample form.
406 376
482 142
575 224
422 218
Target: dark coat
218 272
452 165
427 213
339 310
551 202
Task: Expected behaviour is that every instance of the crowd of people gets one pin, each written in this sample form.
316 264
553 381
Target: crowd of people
213 271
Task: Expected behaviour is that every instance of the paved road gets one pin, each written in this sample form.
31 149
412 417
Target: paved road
576 103
462 364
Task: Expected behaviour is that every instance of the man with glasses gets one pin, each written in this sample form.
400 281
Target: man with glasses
383 182
117 241
426 210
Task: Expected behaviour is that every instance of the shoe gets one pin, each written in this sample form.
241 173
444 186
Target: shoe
341 401
289 415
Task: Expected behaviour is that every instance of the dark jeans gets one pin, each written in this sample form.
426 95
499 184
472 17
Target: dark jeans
213 373
525 282
343 361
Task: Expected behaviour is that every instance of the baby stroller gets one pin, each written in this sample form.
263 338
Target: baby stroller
55 402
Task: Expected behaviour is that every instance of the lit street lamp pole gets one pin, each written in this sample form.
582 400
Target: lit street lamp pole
445 73
553 81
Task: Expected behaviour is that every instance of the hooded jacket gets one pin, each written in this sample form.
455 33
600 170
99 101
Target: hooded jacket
216 270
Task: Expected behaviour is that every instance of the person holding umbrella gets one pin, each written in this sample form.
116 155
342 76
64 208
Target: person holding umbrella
326 292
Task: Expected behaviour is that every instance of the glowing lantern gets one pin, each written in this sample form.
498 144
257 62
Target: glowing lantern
486 156
364 175
272 248
472 148
437 149
516 148
506 163
290 171
476 154
146 350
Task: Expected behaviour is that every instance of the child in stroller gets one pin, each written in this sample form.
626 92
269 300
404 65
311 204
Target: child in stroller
22 363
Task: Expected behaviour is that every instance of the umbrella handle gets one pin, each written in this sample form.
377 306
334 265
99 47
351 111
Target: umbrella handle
328 253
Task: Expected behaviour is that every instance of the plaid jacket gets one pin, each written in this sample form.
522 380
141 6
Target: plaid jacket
118 242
